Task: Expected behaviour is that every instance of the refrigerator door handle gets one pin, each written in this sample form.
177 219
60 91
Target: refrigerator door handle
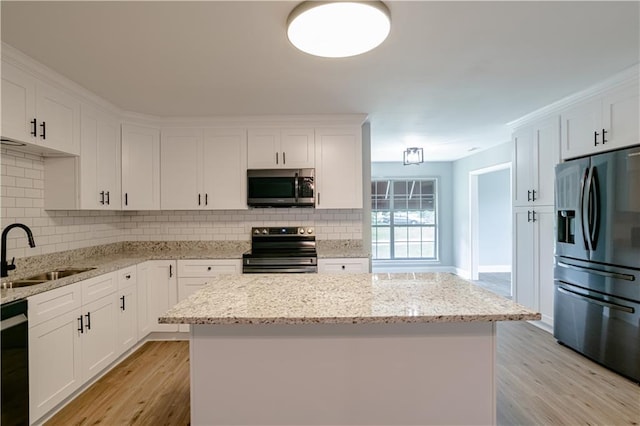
606 274
594 200
596 301
583 189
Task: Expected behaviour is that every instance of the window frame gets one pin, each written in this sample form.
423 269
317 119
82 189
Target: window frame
391 225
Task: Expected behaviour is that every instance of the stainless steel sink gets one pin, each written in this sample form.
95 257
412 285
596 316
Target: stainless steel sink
44 277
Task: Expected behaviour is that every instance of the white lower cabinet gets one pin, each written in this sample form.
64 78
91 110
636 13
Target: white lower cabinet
157 292
75 332
533 259
343 265
99 337
55 367
194 274
127 317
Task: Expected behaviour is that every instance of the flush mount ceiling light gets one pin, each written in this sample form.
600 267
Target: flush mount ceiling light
338 29
413 156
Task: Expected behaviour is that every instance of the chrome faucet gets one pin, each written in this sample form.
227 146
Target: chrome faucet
4 266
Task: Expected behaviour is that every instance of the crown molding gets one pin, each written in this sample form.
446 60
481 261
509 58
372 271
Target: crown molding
628 76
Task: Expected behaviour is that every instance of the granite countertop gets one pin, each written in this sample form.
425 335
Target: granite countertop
117 256
343 299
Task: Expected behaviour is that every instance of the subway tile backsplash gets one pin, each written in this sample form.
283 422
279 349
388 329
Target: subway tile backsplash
22 200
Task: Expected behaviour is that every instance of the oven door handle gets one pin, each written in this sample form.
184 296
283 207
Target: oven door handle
596 301
14 321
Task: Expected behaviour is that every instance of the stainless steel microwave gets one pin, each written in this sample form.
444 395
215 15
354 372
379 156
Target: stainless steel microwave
280 188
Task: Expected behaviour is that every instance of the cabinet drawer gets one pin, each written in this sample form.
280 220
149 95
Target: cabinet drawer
353 266
208 267
97 287
127 276
50 304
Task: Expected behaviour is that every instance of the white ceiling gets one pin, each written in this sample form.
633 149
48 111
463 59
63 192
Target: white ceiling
448 78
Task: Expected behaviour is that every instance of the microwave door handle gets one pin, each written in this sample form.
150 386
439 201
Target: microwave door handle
296 188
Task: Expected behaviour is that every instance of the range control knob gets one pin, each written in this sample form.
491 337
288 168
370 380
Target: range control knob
256 231
300 230
265 232
310 231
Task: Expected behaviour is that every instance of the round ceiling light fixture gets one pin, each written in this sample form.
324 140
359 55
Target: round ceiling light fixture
338 29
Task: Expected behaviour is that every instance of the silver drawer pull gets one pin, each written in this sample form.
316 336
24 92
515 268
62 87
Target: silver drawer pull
607 274
596 301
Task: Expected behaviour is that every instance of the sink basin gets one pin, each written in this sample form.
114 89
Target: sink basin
56 275
44 277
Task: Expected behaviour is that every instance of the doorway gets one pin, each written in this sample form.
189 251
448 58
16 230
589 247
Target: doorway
491 229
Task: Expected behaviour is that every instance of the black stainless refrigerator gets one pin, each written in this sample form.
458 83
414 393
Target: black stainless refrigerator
597 270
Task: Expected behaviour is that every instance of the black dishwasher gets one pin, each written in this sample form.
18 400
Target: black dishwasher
15 364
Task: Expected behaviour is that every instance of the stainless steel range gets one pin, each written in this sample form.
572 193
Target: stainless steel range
281 250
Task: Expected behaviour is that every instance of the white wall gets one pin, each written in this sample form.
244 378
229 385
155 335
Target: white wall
22 200
443 172
494 230
461 210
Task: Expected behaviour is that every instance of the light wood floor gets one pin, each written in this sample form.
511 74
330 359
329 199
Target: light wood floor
539 383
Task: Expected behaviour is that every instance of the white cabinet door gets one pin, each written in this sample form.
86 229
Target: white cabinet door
140 168
127 332
99 339
181 166
298 148
536 153
579 128
162 287
534 259
343 265
620 116
224 171
545 261
55 367
273 148
338 168
525 290
602 123
523 154
18 104
264 149
100 160
58 117
143 314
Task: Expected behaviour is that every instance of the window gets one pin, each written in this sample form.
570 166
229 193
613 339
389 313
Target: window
403 219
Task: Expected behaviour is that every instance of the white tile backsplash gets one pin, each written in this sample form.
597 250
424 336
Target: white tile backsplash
22 200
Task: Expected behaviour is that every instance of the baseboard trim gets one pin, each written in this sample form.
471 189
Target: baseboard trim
494 268
463 273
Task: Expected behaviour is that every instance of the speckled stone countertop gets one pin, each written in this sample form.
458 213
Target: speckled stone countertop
112 257
343 299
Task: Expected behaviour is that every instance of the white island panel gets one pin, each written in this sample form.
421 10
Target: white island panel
343 374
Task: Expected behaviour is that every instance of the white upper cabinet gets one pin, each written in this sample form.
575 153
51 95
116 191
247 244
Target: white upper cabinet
601 123
204 168
536 154
100 160
181 165
36 113
224 152
339 168
272 148
140 168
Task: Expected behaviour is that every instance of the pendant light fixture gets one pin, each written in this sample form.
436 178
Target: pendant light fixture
338 29
413 156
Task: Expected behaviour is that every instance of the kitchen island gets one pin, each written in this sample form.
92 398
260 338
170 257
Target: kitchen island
323 349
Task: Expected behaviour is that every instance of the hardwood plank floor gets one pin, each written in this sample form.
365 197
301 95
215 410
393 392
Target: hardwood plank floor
150 387
539 382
